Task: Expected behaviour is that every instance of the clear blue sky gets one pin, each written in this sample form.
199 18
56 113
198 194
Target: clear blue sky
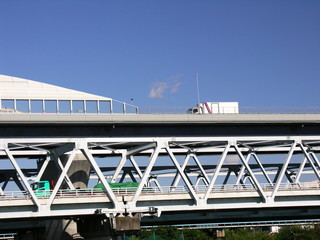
259 53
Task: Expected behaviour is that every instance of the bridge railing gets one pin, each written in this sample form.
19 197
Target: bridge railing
30 106
240 110
51 106
165 190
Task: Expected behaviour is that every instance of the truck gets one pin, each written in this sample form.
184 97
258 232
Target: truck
130 185
215 108
42 188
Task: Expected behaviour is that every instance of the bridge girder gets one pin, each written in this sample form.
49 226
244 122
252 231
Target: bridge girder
223 163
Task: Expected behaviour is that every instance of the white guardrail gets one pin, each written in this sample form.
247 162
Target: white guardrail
80 193
240 110
124 108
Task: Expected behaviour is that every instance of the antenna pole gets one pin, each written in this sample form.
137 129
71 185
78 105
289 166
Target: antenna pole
197 78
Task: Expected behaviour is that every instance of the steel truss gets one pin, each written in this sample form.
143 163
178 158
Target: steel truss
175 174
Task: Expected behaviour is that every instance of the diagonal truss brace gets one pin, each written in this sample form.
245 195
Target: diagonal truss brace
255 181
146 174
136 166
283 170
178 176
61 177
182 174
101 177
24 180
216 172
120 166
307 157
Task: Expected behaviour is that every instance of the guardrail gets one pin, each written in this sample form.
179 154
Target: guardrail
116 107
228 188
241 110
67 106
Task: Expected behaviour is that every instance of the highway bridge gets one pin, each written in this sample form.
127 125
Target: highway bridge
191 168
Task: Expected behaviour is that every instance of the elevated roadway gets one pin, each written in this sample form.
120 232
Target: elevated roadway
132 125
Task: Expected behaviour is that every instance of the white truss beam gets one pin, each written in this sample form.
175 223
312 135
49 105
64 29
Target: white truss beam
176 185
283 170
61 178
183 176
216 172
146 174
102 179
252 177
24 180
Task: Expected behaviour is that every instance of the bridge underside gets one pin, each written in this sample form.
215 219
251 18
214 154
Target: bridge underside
264 216
234 216
163 130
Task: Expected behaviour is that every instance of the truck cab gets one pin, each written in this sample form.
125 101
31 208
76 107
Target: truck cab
215 108
41 188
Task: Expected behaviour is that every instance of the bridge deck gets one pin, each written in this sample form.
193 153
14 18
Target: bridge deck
165 199
156 118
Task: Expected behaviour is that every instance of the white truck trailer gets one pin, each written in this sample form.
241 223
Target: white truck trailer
215 108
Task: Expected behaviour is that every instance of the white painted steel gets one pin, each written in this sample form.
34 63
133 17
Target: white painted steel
268 186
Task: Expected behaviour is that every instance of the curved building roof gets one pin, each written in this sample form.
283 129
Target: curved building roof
19 88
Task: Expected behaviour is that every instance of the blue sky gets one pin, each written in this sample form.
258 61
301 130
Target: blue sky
259 53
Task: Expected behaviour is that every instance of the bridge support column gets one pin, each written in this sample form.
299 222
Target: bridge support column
78 174
79 171
62 229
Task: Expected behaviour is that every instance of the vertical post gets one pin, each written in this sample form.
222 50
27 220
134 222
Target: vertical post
43 106
111 106
29 106
57 106
98 106
14 105
124 108
85 106
71 106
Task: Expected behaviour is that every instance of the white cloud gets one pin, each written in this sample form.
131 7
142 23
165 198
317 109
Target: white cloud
171 85
158 89
175 87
